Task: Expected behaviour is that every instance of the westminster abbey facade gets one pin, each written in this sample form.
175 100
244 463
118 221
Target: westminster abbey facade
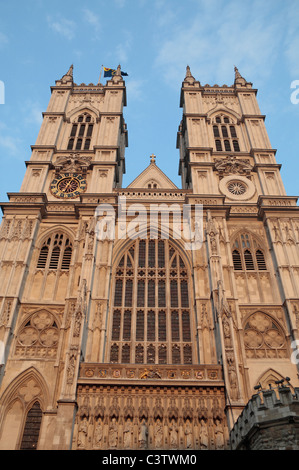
149 341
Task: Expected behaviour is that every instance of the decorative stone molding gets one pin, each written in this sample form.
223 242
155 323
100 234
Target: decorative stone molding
237 188
73 163
135 417
38 337
147 374
233 165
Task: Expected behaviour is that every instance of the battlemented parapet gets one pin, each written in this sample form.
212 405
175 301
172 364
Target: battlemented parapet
269 421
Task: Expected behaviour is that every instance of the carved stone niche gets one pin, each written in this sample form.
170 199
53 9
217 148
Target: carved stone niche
73 163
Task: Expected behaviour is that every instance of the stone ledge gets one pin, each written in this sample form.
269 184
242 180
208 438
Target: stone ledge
149 374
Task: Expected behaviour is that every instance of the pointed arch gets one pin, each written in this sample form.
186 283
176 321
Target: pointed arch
248 251
264 336
146 324
81 125
49 232
225 122
76 112
268 378
173 236
29 376
38 334
223 110
31 431
55 249
22 393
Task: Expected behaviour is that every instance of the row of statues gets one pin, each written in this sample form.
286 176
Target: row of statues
159 435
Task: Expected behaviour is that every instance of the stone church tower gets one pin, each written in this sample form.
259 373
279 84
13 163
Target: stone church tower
115 341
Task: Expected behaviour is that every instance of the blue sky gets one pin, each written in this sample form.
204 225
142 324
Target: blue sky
153 40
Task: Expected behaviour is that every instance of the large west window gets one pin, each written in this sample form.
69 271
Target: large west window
151 321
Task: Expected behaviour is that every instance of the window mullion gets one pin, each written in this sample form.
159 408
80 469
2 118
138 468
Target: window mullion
134 307
168 303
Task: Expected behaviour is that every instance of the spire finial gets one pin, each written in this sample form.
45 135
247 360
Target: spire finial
153 158
70 71
237 73
69 75
239 80
189 77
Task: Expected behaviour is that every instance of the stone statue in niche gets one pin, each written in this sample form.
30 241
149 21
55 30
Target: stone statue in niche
143 435
113 434
128 433
71 369
158 433
204 437
219 439
226 333
233 381
188 434
98 433
173 434
82 433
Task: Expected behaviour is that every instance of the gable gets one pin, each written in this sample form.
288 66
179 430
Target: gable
152 178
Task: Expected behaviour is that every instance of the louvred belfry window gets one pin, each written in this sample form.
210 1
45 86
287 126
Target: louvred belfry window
247 254
81 133
56 253
225 135
150 322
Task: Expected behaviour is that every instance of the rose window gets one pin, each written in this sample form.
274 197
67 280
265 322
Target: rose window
236 187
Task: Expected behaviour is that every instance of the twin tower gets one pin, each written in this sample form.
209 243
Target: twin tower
140 340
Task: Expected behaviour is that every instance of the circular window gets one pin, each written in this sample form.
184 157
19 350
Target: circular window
237 188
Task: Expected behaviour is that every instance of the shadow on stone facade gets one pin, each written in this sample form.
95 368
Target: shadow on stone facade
270 421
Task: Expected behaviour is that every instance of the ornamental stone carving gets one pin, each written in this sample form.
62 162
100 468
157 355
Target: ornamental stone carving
232 165
73 163
264 337
38 337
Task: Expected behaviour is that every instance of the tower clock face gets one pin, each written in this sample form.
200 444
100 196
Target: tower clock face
68 186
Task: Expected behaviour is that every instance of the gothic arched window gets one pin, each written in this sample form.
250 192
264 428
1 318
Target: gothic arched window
225 134
81 132
56 253
151 321
247 254
32 428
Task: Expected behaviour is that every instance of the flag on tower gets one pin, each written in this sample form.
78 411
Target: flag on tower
110 72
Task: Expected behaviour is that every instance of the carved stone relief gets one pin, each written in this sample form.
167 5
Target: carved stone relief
162 419
38 337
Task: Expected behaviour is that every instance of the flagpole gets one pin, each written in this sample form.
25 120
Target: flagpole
100 75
